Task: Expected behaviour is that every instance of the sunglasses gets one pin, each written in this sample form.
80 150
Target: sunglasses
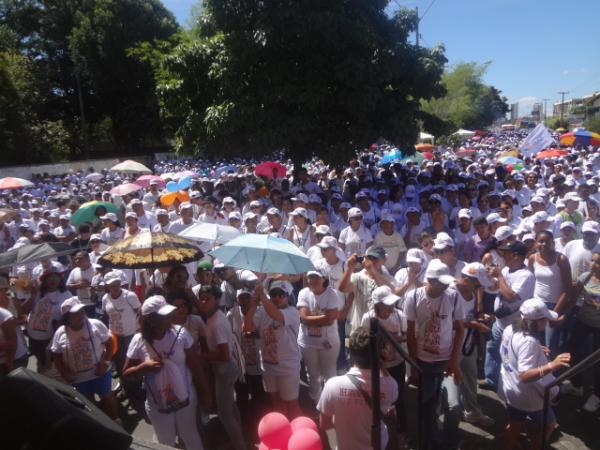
277 293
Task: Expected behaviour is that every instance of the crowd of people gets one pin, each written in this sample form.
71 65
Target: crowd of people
474 267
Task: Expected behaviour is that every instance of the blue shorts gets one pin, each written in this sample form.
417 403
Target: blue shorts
537 417
101 386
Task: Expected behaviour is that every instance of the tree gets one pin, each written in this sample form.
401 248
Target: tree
79 64
468 103
556 122
326 77
592 124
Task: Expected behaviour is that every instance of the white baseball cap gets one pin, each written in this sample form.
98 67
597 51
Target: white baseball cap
503 232
477 270
157 304
413 256
493 218
590 226
322 229
384 294
465 213
354 212
442 241
112 276
437 270
535 309
71 305
109 216
540 216
300 212
567 224
273 212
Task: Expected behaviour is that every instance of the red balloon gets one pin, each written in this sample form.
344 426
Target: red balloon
274 430
300 423
305 439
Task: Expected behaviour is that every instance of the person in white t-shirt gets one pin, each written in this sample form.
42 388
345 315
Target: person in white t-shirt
277 324
393 321
80 281
82 350
165 355
355 238
391 241
318 306
526 371
434 337
13 351
343 403
224 355
122 308
410 277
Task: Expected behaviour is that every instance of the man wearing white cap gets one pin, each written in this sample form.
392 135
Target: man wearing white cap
463 231
571 212
443 249
162 219
355 238
567 231
579 252
152 196
391 241
186 211
525 371
111 232
434 337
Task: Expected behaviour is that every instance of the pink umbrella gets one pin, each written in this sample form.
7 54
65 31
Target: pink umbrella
185 173
14 183
270 169
144 180
427 155
125 189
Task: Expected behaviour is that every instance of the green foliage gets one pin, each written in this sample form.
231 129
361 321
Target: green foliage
326 77
593 124
468 103
82 47
555 122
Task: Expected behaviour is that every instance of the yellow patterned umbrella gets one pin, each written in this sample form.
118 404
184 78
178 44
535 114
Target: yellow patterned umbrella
150 250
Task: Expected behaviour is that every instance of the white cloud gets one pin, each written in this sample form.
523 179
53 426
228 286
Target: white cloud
575 71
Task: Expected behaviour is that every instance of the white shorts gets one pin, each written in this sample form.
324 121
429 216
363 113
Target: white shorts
288 386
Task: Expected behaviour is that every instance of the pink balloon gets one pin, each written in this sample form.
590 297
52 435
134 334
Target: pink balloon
302 422
305 439
274 430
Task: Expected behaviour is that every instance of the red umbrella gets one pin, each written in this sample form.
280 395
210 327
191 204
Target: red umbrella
14 183
551 153
270 169
144 180
466 152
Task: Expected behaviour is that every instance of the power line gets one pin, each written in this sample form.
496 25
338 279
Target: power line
427 9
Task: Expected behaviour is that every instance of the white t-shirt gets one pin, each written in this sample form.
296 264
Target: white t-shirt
5 315
395 325
122 312
434 319
81 350
355 241
522 282
351 414
393 245
218 331
580 258
76 276
196 326
172 346
45 310
318 337
519 353
334 273
110 237
279 350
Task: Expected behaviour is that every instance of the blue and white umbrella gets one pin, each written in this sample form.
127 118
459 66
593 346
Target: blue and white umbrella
263 253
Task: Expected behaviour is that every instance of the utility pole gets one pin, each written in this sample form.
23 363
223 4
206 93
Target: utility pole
562 104
418 20
545 110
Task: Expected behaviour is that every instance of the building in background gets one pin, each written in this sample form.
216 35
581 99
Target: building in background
514 111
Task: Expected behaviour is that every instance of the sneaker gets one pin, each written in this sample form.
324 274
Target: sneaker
569 389
592 404
487 386
479 419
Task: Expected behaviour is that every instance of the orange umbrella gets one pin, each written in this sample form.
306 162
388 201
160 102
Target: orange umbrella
551 153
424 147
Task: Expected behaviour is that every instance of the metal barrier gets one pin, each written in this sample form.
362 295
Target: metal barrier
376 332
585 364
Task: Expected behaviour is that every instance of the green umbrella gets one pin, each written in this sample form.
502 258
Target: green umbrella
417 157
34 252
87 212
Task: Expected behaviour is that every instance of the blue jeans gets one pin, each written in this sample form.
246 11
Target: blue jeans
433 375
554 337
342 359
492 356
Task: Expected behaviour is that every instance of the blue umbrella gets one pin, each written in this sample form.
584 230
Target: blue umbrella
263 253
390 157
511 160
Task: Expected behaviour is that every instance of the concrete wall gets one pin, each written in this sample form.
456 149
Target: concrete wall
61 168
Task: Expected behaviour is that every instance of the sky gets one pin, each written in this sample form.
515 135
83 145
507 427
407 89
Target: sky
536 47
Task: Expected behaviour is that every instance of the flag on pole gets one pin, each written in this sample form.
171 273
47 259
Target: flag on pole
537 140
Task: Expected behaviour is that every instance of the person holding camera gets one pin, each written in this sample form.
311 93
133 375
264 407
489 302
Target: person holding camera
515 284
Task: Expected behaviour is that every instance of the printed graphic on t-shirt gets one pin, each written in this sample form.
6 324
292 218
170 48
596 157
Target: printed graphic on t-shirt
270 338
83 357
42 315
315 331
432 335
249 351
388 353
115 321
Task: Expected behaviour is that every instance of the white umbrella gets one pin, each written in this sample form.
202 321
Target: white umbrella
464 133
210 232
130 166
94 176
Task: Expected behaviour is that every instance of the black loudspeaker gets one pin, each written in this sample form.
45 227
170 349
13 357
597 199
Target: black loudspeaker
39 413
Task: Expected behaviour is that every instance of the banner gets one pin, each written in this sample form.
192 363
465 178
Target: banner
537 140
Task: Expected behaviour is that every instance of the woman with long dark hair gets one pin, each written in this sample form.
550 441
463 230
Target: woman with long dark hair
165 355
